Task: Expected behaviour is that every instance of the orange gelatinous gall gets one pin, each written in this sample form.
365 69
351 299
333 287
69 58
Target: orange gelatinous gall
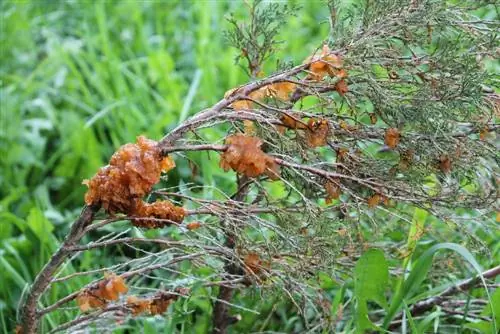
392 137
325 64
156 304
254 264
239 104
87 301
341 87
193 226
282 90
244 104
116 283
293 121
245 156
483 134
333 191
374 200
159 303
160 214
328 64
130 175
167 164
317 132
138 305
99 294
252 261
445 163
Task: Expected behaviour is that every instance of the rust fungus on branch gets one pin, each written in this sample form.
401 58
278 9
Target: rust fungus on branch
245 156
328 64
159 214
445 163
293 121
157 304
193 225
333 190
278 90
255 265
99 294
317 132
392 137
132 172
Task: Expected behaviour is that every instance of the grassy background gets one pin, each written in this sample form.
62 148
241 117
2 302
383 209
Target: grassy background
78 79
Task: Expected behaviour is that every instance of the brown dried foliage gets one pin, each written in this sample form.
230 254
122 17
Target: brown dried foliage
347 127
245 156
342 154
130 175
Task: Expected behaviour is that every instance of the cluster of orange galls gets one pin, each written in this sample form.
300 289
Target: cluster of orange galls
131 174
109 289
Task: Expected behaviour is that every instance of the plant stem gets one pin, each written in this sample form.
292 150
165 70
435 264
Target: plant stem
29 313
427 304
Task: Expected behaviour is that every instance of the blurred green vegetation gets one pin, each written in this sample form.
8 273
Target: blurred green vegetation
78 79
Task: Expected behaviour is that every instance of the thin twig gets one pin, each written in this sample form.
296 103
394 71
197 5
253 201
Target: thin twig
427 304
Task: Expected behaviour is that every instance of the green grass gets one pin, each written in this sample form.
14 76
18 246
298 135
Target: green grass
79 79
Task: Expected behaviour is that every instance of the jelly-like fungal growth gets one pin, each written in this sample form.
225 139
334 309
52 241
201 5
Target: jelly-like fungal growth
328 64
193 225
392 137
138 305
99 294
156 304
293 121
130 175
333 190
255 266
160 214
317 132
160 303
245 156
